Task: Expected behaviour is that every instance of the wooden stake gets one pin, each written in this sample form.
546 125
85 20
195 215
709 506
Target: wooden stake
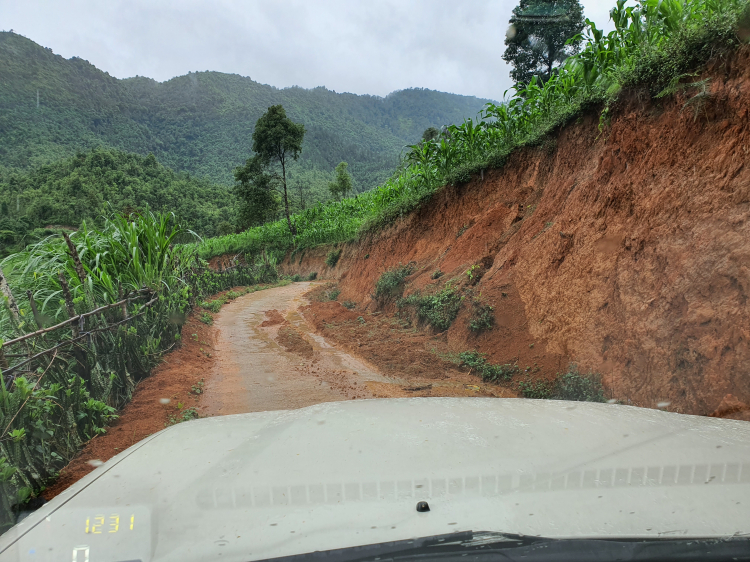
76 258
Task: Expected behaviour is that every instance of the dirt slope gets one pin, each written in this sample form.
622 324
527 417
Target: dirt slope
626 250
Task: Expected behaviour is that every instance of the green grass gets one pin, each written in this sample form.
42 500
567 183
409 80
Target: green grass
438 310
333 258
540 390
482 317
186 415
489 372
571 385
582 387
390 284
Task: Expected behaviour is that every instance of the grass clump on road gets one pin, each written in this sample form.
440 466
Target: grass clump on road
187 415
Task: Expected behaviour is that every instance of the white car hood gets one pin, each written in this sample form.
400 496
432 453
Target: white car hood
337 475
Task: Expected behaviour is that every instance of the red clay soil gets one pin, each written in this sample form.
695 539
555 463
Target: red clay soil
420 362
174 379
626 251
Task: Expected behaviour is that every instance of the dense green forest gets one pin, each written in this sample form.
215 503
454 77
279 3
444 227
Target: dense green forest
202 123
93 184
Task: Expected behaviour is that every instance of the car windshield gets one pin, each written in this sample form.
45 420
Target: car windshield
372 279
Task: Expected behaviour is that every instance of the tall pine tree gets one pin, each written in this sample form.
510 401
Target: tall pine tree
537 37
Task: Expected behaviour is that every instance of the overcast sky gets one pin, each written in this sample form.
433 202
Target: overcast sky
359 46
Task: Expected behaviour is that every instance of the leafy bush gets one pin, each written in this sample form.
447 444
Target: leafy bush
231 295
489 372
333 258
571 385
351 305
482 317
540 390
437 274
214 305
206 318
574 385
390 285
438 310
334 293
313 276
296 278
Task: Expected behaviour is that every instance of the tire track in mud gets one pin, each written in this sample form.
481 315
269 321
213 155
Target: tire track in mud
269 358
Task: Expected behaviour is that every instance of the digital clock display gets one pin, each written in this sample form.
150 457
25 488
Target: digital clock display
91 534
111 523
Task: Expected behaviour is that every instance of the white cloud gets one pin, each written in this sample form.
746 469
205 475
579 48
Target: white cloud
364 47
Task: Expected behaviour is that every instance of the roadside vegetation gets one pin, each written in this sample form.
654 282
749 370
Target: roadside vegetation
57 197
571 385
654 44
85 318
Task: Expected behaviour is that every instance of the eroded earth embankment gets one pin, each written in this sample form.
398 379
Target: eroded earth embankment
625 249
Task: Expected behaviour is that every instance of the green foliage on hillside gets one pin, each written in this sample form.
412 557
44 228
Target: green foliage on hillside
201 123
652 45
92 184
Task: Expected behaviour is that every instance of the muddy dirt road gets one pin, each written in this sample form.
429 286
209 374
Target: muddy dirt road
269 358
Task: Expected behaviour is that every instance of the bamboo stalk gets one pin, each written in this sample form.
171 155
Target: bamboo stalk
76 258
69 306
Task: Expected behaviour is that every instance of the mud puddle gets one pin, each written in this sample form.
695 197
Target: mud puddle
269 358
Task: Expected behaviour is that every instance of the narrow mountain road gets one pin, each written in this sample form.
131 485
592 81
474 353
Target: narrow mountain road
269 358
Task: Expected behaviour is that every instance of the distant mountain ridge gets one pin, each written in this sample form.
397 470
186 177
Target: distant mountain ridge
200 123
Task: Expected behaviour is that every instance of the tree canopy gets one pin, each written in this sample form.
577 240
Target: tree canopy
92 184
342 185
537 39
259 202
277 140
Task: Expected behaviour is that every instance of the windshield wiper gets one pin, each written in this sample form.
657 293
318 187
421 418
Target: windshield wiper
475 546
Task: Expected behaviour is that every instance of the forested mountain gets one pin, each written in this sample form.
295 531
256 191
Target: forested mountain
201 123
89 185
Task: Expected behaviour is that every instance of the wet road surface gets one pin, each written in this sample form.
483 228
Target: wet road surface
269 358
